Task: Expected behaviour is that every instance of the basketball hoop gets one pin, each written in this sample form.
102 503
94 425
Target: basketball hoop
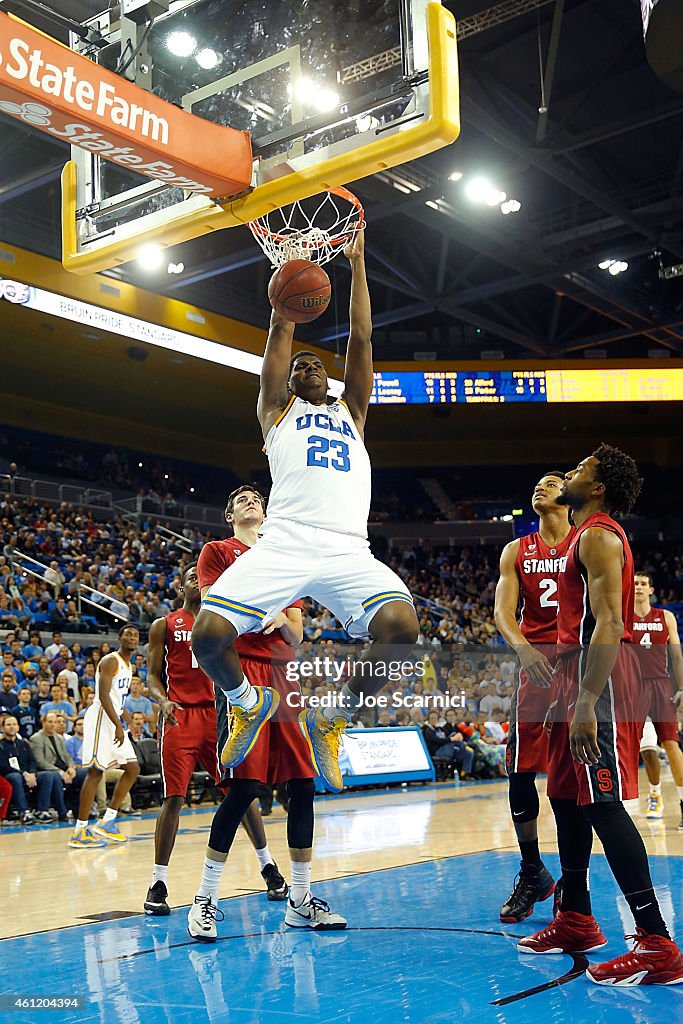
292 233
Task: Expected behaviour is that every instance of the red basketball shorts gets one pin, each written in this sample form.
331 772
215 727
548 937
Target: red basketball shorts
281 752
527 746
183 745
620 724
657 695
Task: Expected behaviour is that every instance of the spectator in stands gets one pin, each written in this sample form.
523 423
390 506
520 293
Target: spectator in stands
32 650
88 698
59 704
384 719
30 670
49 750
136 731
53 650
9 666
54 578
26 714
489 700
446 744
78 656
8 698
137 702
42 695
68 677
44 670
18 766
58 663
61 725
88 679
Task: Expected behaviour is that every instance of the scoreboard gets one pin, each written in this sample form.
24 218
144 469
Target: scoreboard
448 387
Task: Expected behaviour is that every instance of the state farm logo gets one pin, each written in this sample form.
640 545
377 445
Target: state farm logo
14 292
32 113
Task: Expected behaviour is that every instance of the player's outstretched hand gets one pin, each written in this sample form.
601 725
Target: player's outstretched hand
167 708
537 667
583 734
356 247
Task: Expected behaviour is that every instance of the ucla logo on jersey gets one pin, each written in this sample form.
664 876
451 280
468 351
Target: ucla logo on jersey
321 421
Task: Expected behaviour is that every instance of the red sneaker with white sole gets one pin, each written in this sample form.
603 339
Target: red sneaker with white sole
569 932
654 960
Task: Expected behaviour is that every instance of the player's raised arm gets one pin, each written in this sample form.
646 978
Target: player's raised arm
358 370
534 663
273 396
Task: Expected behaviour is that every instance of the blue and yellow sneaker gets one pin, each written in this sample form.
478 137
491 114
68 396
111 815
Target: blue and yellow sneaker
245 726
322 737
83 839
110 830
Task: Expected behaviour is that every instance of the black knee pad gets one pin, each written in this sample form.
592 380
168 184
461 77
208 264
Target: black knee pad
227 818
300 813
523 797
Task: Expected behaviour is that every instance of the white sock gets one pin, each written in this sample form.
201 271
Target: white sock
109 815
264 857
245 696
79 825
160 873
680 792
211 878
656 790
300 883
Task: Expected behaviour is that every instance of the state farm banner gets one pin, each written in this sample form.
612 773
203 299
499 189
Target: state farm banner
48 86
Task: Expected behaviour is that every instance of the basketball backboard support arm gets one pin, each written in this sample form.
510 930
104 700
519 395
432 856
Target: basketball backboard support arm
305 175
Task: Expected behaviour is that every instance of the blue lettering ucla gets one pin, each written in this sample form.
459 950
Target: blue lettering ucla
322 421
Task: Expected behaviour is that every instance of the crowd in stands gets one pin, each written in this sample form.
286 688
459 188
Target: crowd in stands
52 557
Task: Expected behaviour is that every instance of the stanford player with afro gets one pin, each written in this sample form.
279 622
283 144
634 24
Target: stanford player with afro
594 739
529 569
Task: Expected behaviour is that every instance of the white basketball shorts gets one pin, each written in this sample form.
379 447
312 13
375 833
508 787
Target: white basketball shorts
98 741
291 561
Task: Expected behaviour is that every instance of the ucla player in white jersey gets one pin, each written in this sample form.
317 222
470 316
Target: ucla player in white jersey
314 538
106 745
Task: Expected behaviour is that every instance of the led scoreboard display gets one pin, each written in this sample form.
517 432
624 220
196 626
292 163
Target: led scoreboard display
450 387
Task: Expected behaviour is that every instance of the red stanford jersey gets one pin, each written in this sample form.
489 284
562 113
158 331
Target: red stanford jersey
651 634
214 559
575 621
538 567
187 685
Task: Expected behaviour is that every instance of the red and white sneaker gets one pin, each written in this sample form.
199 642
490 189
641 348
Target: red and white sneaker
654 960
569 932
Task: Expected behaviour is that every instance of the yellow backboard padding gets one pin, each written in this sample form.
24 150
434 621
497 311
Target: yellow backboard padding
198 216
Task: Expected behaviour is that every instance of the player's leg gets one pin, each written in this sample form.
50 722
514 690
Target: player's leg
666 726
574 928
649 751
82 836
368 598
262 582
201 920
303 909
107 826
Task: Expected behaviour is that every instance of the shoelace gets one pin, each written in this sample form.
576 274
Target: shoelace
209 912
318 904
522 884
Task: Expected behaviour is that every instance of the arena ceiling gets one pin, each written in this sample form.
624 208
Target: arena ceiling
599 177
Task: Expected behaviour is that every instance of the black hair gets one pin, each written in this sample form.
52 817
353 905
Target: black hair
619 473
184 571
297 355
124 627
553 472
239 490
645 576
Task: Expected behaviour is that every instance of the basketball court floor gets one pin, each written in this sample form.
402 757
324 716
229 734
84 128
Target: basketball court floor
420 874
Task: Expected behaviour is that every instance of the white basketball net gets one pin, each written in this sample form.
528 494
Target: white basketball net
315 229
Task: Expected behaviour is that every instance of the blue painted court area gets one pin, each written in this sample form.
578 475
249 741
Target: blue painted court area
424 946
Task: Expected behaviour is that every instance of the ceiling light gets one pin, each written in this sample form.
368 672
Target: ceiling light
150 256
366 123
208 59
182 44
326 99
480 190
617 267
605 265
455 176
511 206
175 268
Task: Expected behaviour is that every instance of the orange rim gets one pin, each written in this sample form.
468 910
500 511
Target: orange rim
336 240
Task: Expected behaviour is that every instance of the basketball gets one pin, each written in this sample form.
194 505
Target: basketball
300 291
